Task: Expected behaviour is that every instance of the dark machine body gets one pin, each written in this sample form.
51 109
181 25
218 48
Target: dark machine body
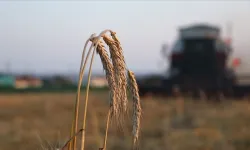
198 61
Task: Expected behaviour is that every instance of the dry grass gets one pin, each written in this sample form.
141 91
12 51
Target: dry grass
117 80
224 126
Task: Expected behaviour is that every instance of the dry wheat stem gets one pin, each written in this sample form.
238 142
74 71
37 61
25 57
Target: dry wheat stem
136 106
70 145
107 128
86 101
120 71
81 74
68 142
95 43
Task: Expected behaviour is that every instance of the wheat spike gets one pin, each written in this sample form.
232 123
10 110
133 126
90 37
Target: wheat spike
137 111
113 35
108 67
119 70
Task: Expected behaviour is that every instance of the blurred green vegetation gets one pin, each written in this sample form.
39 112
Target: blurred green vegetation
70 88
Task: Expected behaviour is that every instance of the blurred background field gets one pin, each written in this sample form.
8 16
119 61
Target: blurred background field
30 121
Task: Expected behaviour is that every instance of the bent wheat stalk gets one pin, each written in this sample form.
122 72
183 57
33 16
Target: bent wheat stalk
76 134
81 75
86 101
115 71
95 44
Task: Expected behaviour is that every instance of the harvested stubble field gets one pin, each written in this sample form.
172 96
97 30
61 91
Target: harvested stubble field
31 121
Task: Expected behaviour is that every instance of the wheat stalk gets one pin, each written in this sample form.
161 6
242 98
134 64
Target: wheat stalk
107 127
95 44
72 145
117 81
81 75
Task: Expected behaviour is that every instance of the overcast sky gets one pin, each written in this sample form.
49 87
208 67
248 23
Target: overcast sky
49 36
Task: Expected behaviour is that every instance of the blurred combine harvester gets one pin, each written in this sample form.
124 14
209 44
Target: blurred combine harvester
198 61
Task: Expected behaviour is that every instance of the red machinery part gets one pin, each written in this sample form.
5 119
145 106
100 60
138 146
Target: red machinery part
236 62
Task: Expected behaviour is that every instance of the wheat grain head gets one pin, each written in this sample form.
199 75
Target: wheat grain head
109 70
119 70
137 111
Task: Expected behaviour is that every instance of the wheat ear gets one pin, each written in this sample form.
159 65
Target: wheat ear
137 111
120 71
109 70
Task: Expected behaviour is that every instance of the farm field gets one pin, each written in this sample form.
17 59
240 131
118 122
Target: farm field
37 120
